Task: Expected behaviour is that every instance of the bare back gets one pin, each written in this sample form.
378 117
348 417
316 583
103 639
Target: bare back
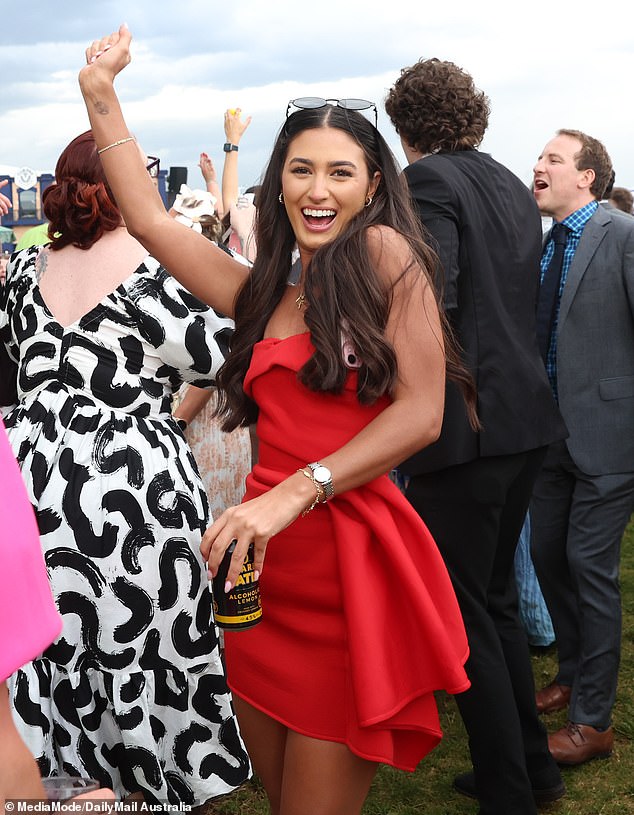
72 281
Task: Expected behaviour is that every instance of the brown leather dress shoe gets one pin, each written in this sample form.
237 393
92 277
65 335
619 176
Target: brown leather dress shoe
578 743
552 698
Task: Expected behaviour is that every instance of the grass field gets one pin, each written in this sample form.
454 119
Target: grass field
603 787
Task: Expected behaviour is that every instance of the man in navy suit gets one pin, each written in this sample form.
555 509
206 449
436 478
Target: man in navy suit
584 493
473 488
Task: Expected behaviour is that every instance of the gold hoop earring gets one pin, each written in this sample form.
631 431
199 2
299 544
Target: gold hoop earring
368 200
280 198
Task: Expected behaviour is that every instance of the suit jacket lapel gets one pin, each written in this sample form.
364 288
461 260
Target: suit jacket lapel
592 235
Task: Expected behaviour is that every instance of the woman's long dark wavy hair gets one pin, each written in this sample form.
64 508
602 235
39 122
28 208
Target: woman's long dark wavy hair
79 205
342 289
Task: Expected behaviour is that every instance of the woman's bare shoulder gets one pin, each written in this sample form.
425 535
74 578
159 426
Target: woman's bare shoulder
390 251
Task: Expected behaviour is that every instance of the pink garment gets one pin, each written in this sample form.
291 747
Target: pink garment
234 242
29 621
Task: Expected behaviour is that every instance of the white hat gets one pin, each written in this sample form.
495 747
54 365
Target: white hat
192 204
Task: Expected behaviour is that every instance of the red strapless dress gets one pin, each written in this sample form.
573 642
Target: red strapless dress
360 623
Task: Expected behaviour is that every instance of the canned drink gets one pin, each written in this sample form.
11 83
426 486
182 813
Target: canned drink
240 607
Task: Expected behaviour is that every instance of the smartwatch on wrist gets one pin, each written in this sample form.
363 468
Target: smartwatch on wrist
228 147
323 477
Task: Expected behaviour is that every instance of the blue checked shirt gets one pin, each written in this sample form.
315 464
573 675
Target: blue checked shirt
576 222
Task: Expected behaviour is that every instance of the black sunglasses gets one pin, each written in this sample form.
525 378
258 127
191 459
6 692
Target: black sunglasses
314 102
153 166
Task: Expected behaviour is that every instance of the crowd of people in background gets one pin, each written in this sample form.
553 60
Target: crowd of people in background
407 406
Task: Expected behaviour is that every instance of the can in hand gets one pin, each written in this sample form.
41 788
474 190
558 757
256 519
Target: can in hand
240 607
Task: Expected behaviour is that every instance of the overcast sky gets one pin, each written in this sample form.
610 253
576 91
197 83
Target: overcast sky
544 65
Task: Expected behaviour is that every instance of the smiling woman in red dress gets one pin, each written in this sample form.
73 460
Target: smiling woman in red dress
345 374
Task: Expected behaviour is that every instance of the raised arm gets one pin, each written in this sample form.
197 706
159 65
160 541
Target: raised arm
5 203
205 270
208 171
234 130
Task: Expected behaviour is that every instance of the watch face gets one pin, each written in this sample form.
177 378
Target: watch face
322 474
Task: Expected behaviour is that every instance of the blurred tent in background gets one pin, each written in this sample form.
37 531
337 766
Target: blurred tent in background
7 235
36 236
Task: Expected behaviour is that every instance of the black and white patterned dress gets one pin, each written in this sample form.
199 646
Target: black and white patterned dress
133 692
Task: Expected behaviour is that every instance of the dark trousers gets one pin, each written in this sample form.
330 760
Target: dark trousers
475 513
577 525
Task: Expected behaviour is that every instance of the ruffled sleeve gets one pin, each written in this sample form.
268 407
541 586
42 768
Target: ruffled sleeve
190 338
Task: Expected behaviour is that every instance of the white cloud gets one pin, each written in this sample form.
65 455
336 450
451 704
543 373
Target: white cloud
543 65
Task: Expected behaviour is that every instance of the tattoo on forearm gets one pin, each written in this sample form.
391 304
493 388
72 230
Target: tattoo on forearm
102 108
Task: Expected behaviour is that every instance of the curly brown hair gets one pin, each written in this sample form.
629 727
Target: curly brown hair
434 105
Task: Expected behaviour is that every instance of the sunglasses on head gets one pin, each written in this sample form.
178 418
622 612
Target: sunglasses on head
313 102
153 166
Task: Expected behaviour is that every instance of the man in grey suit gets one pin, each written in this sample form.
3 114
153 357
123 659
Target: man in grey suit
583 496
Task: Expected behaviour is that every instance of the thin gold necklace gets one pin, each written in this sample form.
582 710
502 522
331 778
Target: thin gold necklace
300 300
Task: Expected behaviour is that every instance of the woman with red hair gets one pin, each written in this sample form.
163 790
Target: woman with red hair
133 690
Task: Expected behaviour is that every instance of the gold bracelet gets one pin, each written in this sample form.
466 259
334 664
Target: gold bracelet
115 144
320 492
